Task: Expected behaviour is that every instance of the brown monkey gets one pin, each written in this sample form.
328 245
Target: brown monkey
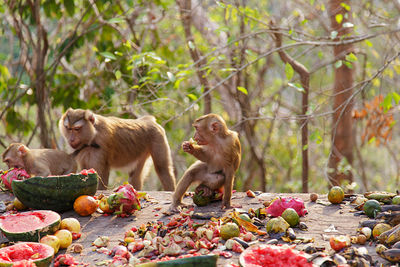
218 152
103 143
40 162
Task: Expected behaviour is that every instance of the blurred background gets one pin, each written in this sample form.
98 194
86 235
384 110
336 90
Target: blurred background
310 86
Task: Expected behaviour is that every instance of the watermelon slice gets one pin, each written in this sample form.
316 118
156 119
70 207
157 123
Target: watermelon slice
27 254
30 225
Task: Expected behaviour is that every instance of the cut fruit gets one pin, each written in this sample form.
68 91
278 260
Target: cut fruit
26 253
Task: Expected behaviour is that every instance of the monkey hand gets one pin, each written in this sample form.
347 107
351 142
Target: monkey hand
188 147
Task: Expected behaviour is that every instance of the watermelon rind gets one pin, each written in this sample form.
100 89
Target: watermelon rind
56 193
35 233
44 261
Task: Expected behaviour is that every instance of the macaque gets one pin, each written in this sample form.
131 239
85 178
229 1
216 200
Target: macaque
103 143
39 162
218 152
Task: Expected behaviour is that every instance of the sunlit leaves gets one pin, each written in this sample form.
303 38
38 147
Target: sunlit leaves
116 20
289 71
297 86
242 89
339 18
108 55
316 137
338 64
345 6
70 7
118 75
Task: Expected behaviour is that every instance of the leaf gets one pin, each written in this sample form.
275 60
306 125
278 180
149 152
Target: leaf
70 7
368 43
247 225
297 86
339 18
171 76
396 97
243 90
351 57
220 4
316 136
191 45
118 75
108 55
289 71
345 6
192 97
387 102
334 34
116 20
338 64
348 25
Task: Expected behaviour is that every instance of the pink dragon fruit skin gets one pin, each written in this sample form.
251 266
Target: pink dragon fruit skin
278 206
13 174
125 199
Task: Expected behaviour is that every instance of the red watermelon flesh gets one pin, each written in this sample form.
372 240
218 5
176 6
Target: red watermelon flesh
26 254
30 225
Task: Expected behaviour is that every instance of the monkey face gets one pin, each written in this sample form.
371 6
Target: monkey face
200 135
77 128
12 157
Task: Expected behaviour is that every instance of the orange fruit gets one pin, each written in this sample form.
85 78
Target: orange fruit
85 205
336 195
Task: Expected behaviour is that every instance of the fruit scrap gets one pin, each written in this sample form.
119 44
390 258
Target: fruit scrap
125 200
280 204
337 243
250 193
12 174
101 241
68 260
247 225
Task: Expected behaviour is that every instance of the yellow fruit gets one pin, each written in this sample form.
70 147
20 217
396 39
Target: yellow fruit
65 237
380 228
18 204
229 230
52 241
336 195
277 225
291 216
71 224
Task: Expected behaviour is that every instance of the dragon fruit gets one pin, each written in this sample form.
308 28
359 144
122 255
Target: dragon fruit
12 174
125 200
280 204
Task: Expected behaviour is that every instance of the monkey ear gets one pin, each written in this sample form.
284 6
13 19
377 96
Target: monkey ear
89 116
22 150
215 127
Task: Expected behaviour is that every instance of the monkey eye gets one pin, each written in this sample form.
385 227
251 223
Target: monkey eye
77 129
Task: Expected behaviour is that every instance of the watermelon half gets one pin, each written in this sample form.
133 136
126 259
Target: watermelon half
30 225
26 253
56 193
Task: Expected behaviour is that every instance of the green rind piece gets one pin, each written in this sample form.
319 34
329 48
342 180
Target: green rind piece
372 208
56 193
195 261
44 262
36 234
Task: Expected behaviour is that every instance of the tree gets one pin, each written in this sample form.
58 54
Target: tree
342 126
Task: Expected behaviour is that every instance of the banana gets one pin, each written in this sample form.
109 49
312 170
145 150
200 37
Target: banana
383 196
392 255
384 236
393 237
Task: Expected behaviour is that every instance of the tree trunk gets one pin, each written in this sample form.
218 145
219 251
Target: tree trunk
342 126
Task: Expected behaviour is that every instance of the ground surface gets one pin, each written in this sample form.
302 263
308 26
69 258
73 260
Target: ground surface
321 216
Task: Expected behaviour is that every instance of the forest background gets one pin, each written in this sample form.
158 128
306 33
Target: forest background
311 86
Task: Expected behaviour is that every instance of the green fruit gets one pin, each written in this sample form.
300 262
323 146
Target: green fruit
201 200
277 225
372 208
396 200
336 195
29 225
198 261
56 193
229 230
40 254
245 217
290 215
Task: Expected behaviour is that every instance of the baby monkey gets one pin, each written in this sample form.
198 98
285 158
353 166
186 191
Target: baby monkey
218 152
39 162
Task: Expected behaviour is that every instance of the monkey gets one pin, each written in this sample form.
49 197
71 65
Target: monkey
104 143
218 151
39 162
